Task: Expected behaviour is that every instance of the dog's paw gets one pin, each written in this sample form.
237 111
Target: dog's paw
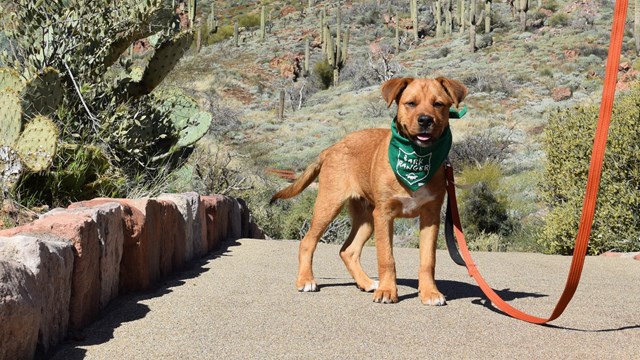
433 298
369 288
385 296
308 286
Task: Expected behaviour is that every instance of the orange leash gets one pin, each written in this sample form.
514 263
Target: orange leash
593 183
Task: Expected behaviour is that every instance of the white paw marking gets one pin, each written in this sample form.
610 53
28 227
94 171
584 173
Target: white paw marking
440 301
374 286
309 287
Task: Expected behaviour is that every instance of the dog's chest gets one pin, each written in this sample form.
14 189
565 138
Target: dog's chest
410 206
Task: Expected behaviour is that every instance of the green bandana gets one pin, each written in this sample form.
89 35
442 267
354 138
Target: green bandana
413 164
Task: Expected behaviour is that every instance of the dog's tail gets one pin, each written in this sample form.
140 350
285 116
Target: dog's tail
301 183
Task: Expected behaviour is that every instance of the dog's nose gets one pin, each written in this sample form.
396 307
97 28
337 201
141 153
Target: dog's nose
425 120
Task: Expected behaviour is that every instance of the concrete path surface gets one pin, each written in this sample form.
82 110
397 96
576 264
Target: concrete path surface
240 303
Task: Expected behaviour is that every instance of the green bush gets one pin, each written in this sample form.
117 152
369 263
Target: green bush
249 21
484 212
550 5
222 33
558 20
324 73
483 209
568 144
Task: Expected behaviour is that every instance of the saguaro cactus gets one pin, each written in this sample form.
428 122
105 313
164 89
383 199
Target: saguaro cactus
398 34
487 16
448 16
636 25
414 18
474 21
192 13
212 23
263 23
307 56
323 14
437 15
462 15
336 50
522 7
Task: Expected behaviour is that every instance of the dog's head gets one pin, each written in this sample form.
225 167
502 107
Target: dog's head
423 106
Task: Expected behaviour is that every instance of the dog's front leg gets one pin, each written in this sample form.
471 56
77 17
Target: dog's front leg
429 223
387 291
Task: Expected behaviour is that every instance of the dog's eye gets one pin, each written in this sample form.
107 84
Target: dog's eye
410 104
438 104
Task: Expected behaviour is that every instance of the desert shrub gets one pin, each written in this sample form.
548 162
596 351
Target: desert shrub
323 73
487 242
78 172
367 14
226 118
483 212
294 218
587 50
487 82
550 5
486 146
482 209
249 21
568 144
545 70
222 33
558 20
359 75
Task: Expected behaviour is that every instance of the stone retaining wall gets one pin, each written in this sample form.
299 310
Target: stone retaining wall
59 271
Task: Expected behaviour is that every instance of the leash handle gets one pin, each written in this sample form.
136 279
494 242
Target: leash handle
591 192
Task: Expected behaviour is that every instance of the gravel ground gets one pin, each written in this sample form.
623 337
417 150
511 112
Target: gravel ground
241 303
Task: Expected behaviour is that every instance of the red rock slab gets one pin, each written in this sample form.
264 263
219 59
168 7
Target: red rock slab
82 232
19 311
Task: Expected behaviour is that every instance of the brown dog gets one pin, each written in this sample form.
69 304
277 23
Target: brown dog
357 171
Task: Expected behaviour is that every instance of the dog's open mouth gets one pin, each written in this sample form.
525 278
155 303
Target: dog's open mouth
424 139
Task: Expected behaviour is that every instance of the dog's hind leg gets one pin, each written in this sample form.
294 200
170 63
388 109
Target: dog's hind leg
328 205
361 230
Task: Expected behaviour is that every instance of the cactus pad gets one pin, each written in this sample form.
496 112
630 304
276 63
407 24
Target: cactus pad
197 127
10 168
179 106
10 118
10 80
165 59
43 93
37 144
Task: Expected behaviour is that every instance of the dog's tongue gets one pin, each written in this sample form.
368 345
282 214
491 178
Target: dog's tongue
424 137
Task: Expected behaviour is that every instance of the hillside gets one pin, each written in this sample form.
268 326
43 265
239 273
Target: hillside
516 78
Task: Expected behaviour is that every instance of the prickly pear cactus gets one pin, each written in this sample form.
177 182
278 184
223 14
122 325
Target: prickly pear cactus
10 168
10 118
43 93
37 144
164 60
197 127
10 80
186 117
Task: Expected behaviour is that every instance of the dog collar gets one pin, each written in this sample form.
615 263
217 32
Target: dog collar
415 165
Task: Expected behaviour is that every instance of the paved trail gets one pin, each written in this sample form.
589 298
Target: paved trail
241 303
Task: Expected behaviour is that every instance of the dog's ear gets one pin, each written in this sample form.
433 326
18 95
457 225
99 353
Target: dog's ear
392 89
456 90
